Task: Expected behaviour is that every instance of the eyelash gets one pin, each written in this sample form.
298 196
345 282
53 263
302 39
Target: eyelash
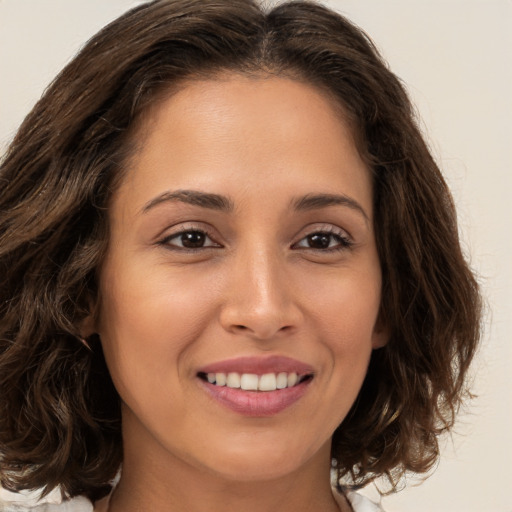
344 242
166 241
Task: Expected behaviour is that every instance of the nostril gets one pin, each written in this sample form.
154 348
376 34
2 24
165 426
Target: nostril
240 327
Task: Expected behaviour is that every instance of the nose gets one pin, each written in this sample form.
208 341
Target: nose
260 300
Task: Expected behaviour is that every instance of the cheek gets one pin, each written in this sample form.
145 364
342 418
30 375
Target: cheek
147 323
346 304
345 310
139 301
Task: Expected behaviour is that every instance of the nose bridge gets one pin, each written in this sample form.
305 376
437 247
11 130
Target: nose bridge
264 268
259 301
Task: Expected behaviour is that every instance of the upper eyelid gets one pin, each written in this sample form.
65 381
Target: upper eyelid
176 231
344 241
319 227
183 227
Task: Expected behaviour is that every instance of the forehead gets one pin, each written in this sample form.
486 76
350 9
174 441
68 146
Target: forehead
215 134
246 97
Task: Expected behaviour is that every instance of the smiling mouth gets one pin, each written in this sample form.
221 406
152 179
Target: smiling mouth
253 382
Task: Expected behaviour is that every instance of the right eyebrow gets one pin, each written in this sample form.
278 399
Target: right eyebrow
194 197
318 201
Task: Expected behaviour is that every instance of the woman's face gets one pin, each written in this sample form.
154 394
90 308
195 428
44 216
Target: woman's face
242 253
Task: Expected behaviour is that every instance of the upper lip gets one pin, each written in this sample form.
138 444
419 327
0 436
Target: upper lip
258 366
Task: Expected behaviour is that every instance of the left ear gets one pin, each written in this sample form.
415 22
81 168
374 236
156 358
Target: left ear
381 332
89 325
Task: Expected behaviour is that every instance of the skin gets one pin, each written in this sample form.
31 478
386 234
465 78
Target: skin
259 286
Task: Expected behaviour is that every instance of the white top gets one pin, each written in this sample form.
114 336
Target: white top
26 501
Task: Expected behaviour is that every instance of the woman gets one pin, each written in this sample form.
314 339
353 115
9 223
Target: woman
230 263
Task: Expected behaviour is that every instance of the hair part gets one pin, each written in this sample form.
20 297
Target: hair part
60 422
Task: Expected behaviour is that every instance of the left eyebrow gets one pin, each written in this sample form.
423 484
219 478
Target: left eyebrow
317 201
193 197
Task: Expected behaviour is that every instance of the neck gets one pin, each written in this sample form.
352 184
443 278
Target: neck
254 497
163 483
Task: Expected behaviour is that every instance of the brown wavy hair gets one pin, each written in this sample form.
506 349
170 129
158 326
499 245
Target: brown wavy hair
59 412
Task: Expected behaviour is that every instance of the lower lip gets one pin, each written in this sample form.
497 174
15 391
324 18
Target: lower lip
257 403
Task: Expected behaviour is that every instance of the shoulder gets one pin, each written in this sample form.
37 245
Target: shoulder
358 502
361 503
28 501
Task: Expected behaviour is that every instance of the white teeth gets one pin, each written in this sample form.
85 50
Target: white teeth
249 381
253 382
267 382
282 380
233 380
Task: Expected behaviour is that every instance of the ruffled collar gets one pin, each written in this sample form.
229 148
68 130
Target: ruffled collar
30 501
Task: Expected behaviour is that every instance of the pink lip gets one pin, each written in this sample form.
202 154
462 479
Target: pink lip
258 365
257 403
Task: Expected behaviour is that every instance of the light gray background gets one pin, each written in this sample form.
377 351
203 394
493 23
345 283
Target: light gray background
455 56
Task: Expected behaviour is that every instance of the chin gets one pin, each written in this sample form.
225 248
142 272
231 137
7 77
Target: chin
255 471
262 462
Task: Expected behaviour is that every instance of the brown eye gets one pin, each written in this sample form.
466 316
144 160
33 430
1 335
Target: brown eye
192 239
319 240
324 241
189 239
